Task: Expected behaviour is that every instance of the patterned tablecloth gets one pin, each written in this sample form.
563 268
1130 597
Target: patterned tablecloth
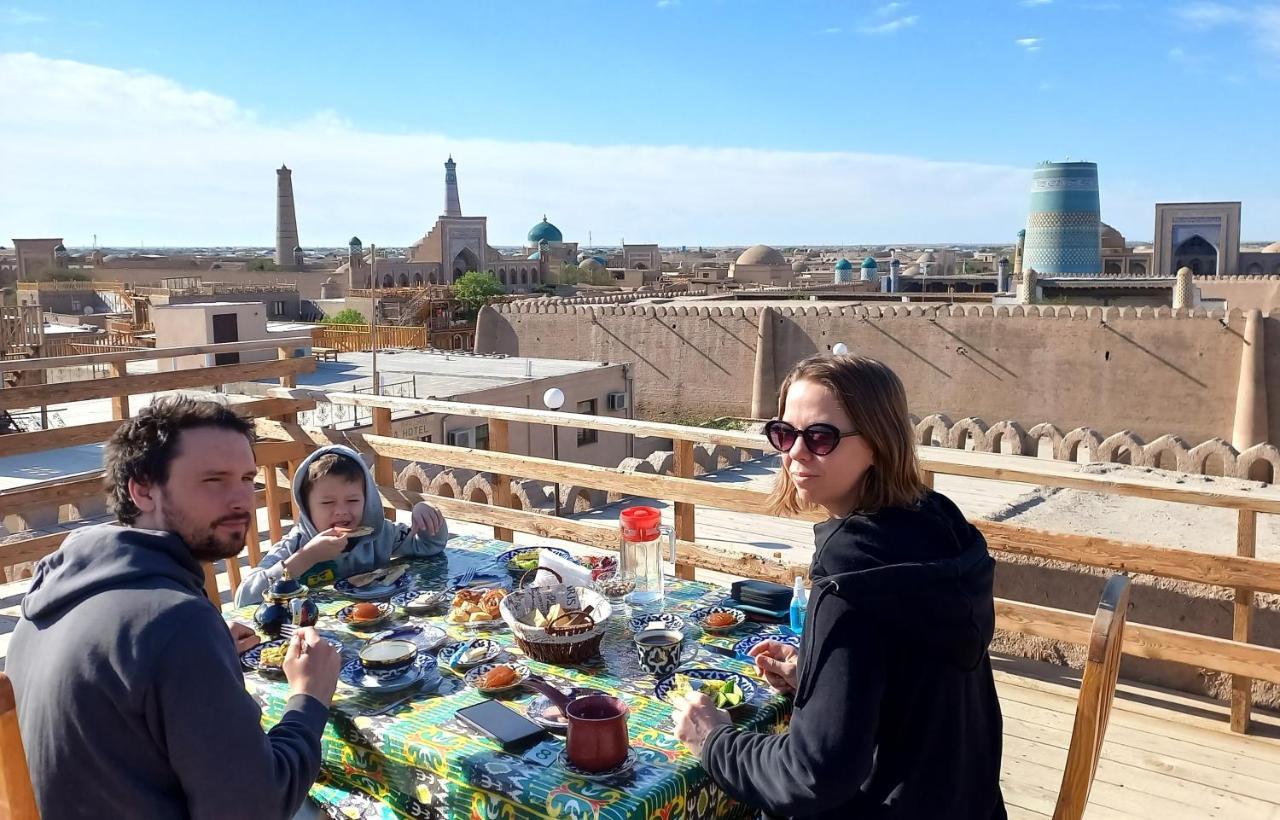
421 761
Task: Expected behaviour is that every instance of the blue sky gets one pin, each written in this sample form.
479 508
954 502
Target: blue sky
678 121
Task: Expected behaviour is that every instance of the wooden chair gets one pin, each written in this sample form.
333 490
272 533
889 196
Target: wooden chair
17 801
1097 691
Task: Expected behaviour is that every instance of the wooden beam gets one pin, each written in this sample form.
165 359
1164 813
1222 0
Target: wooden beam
274 498
119 404
40 440
288 380
211 585
1154 642
941 460
66 392
21 550
500 441
600 536
274 452
1137 559
1242 615
122 357
13 502
684 512
926 478
383 475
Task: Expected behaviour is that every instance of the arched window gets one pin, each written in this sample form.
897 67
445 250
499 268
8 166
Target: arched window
417 279
457 342
386 280
403 280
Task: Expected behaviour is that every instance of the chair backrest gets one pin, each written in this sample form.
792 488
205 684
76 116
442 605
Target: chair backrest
17 800
1097 691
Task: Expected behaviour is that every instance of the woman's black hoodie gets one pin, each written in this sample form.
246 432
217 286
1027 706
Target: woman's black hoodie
896 713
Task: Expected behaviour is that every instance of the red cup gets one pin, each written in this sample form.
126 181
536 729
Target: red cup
598 738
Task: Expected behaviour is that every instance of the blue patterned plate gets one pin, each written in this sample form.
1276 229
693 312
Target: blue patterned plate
744 646
374 591
423 669
450 652
662 620
699 617
416 602
426 637
344 616
505 559
667 684
476 677
252 658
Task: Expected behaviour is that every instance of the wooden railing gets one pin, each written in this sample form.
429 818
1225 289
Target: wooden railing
1243 573
285 443
21 328
355 338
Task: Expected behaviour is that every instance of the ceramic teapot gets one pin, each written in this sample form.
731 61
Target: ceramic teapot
278 607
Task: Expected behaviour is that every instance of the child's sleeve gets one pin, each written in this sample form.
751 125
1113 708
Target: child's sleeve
419 545
269 571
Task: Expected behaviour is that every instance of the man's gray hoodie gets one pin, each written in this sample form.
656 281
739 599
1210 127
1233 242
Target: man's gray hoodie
131 699
388 539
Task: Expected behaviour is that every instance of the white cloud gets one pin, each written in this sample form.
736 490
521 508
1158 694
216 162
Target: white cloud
1029 43
890 26
889 8
173 165
1261 22
664 4
1036 2
11 16
832 30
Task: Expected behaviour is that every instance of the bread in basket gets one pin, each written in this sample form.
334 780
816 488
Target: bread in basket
571 637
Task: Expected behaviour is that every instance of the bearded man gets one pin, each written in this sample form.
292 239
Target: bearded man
130 695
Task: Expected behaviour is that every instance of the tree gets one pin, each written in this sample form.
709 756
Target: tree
346 316
473 289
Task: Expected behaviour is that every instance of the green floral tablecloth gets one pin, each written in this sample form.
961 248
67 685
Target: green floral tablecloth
421 761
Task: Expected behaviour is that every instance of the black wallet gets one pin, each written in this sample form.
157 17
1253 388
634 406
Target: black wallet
762 594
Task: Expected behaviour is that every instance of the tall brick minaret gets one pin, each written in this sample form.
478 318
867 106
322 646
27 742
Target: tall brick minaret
451 205
286 220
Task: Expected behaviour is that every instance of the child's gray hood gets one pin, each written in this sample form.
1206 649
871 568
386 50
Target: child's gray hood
373 515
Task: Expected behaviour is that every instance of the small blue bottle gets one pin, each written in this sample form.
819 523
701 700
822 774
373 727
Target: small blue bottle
799 606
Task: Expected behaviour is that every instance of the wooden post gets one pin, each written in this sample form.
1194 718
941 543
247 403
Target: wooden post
1242 687
289 380
382 473
926 478
119 404
499 442
684 512
211 585
251 544
274 527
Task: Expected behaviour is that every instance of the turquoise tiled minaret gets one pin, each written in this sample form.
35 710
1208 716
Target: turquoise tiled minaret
1064 229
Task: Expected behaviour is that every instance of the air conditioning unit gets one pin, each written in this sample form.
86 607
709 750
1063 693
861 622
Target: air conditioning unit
616 400
460 438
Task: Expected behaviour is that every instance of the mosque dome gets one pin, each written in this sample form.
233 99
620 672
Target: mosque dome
536 255
355 242
869 263
1111 238
799 266
761 255
544 231
844 264
591 263
1274 247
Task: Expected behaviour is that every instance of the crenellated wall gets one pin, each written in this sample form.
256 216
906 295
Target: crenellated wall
1149 371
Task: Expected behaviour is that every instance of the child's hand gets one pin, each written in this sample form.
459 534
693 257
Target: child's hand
326 545
426 518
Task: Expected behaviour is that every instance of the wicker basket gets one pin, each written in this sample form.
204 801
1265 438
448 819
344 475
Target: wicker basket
571 638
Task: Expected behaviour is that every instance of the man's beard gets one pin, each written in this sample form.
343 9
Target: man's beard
207 543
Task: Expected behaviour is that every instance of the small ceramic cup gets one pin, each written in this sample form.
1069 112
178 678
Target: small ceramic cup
388 659
659 650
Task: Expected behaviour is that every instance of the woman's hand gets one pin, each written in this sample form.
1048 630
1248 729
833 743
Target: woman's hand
776 661
426 518
695 717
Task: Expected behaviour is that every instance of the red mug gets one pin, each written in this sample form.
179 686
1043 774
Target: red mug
598 738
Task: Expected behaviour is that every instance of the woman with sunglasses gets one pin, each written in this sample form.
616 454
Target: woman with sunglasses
896 713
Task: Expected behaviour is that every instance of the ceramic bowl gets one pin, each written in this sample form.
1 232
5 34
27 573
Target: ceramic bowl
699 617
388 659
662 620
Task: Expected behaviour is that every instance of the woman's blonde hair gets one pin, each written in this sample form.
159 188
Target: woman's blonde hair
876 402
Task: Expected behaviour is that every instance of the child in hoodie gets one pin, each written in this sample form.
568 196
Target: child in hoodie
336 493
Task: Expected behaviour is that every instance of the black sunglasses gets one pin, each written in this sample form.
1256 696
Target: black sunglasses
820 438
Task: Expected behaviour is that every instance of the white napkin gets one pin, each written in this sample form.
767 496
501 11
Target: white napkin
573 574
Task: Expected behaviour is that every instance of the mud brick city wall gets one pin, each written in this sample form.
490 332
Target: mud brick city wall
1151 371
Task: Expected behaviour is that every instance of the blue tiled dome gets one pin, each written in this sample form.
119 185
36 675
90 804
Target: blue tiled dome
544 231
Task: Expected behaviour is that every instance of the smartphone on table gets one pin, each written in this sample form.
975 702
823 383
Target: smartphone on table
507 727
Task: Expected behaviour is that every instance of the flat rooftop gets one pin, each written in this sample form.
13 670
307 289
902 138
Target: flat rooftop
437 374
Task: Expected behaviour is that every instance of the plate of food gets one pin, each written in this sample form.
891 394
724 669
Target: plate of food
496 678
415 602
423 671
424 636
718 618
380 583
522 559
464 655
600 565
745 645
365 615
268 657
728 690
477 608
